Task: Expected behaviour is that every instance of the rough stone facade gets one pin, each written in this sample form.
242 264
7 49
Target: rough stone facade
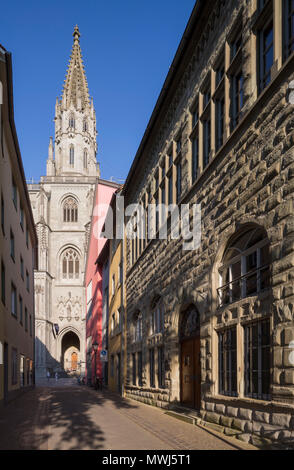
248 182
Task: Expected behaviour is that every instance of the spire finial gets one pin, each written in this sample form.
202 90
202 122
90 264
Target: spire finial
76 33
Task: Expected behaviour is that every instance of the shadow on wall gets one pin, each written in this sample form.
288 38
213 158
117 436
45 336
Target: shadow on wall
50 363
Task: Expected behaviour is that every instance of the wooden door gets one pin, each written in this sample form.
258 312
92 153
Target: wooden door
191 373
74 361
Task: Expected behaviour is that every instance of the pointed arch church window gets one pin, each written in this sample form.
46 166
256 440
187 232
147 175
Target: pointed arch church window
71 156
70 210
70 264
85 125
85 159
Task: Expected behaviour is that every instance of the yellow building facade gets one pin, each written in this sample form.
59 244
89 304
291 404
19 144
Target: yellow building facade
116 317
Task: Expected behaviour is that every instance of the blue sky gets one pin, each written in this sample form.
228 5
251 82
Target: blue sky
127 48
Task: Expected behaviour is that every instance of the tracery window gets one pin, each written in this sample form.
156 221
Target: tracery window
70 210
70 264
245 266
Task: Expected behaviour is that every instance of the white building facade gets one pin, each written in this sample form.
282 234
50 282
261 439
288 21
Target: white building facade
62 206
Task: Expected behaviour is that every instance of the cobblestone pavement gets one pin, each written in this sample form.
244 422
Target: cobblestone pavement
65 416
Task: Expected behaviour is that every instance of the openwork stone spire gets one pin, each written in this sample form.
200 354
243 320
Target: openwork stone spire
75 89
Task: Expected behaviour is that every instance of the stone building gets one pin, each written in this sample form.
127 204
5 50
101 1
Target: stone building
18 253
62 206
212 328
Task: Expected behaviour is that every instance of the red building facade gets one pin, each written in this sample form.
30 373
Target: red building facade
93 281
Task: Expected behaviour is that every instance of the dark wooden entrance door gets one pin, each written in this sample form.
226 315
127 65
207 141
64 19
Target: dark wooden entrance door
191 373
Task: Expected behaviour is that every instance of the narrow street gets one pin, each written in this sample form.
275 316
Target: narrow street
65 416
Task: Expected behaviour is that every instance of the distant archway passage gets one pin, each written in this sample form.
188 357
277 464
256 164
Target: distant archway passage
190 369
70 352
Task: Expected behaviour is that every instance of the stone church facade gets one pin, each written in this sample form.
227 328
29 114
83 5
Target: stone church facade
212 329
62 205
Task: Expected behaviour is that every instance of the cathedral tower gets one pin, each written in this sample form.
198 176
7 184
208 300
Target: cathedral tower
62 206
75 123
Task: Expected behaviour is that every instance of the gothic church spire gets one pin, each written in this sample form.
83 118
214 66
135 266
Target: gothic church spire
75 89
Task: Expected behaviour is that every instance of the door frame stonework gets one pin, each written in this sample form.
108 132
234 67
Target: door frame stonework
60 336
190 333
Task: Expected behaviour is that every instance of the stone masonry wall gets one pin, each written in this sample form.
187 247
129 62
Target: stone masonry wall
250 180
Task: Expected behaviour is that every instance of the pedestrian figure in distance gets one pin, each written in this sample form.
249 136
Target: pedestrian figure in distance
56 376
48 376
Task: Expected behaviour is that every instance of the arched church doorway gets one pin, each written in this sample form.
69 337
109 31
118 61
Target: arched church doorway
190 365
70 352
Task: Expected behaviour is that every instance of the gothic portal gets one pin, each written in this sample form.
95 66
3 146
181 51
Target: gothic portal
62 207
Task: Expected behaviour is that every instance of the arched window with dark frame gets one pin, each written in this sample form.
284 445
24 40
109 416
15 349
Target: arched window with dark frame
245 268
70 210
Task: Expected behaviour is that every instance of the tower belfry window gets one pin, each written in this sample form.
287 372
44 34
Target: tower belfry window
70 264
85 125
70 210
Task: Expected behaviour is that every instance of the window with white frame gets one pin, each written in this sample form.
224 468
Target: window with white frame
245 266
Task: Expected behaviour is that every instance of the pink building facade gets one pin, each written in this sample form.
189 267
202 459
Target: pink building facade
93 281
